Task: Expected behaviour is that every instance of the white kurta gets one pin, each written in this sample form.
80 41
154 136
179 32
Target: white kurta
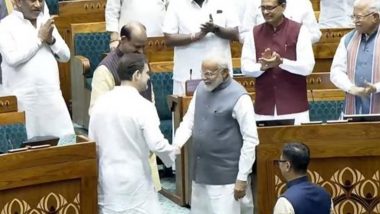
30 71
186 17
125 127
150 13
302 66
244 114
297 10
336 14
338 73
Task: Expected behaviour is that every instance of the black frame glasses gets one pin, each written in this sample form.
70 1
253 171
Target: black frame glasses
268 8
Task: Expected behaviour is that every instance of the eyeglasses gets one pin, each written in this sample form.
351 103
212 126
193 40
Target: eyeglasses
359 17
268 8
210 73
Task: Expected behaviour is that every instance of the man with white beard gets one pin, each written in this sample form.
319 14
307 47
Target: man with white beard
221 121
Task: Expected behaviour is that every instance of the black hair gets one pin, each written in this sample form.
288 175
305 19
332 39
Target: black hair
281 1
129 63
298 154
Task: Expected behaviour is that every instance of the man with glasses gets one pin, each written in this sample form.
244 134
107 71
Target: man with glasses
301 195
356 65
279 55
221 121
297 10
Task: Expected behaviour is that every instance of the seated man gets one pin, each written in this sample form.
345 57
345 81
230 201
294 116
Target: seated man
356 65
125 127
279 55
301 195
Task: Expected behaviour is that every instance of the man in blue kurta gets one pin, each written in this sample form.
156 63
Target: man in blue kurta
356 65
301 195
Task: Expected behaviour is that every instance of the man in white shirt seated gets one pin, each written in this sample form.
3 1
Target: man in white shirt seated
125 127
301 195
300 11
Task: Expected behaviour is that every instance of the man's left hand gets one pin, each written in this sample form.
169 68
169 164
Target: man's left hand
272 62
239 190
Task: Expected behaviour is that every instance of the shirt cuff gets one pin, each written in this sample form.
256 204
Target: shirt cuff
377 85
242 176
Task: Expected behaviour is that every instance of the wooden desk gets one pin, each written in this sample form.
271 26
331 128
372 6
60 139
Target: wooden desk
59 179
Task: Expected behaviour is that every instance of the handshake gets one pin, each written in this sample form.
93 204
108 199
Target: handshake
367 90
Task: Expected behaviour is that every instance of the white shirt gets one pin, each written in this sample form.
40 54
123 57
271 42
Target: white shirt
297 10
30 71
338 71
336 14
283 206
244 114
186 17
125 127
302 66
150 13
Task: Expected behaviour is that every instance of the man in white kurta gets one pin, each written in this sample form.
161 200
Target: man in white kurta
30 46
150 13
125 127
297 10
196 29
212 191
336 14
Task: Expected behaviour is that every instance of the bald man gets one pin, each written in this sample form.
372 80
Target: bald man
221 121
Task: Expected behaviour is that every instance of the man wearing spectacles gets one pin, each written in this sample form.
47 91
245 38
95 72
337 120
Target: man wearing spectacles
301 195
253 16
221 121
279 55
356 65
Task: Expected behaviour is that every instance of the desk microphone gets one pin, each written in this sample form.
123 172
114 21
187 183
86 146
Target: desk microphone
191 73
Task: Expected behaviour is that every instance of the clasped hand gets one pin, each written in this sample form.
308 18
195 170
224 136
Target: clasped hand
45 33
269 59
363 91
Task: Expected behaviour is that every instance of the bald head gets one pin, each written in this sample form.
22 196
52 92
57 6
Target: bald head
133 38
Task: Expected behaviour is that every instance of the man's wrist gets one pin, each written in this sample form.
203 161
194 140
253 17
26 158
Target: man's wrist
52 42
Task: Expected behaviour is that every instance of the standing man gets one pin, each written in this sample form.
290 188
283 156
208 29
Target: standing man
133 38
356 65
150 13
30 46
125 127
253 16
221 121
197 28
301 195
279 55
336 14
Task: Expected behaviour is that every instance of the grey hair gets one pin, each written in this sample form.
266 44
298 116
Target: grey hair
221 62
373 5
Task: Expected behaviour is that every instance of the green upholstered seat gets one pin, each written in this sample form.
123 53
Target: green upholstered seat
325 110
53 6
162 87
12 136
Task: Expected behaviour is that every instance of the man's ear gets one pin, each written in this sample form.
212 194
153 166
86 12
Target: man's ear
136 75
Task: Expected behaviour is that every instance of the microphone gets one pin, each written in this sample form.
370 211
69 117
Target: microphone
191 73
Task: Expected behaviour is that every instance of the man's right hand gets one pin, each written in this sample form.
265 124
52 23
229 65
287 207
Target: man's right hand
358 91
45 33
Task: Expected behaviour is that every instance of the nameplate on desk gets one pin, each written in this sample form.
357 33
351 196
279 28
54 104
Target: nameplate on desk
361 117
284 122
